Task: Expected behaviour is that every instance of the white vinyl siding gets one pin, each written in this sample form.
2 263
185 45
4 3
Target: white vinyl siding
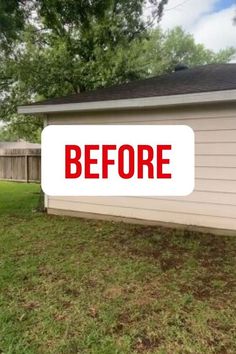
212 204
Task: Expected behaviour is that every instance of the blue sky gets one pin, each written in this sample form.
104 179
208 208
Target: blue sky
222 4
210 21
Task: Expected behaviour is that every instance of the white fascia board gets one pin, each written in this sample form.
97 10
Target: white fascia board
148 102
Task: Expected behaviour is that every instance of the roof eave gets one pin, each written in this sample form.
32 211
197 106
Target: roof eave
146 102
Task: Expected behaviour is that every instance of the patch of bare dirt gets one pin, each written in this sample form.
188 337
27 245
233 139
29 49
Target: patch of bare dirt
172 262
202 287
144 344
113 292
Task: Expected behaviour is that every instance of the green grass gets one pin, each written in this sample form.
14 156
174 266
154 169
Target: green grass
77 286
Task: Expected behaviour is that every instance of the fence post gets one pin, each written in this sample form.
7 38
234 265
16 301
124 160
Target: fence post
27 168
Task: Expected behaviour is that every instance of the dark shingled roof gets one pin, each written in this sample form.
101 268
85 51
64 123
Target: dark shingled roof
208 78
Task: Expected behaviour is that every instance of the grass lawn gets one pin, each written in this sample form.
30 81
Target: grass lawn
77 286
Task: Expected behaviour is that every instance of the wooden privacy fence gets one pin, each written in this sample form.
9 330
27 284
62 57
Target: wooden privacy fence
22 165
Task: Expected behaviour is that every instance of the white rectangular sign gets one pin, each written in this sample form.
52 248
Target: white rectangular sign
118 160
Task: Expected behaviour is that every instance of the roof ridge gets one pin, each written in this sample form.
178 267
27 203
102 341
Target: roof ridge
202 78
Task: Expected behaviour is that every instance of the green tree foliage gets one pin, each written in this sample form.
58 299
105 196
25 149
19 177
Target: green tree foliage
162 51
11 21
5 135
20 127
57 47
70 46
66 46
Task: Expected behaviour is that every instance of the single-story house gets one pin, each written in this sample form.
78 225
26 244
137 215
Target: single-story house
203 98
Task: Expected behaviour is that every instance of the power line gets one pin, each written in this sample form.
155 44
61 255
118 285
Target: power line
178 5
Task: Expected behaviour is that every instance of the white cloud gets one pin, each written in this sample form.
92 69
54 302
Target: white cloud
185 13
217 30
214 29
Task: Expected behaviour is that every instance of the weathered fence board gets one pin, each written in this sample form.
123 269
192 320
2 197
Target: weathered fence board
20 165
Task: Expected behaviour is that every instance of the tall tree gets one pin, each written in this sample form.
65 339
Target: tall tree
11 21
163 50
70 46
73 30
66 46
